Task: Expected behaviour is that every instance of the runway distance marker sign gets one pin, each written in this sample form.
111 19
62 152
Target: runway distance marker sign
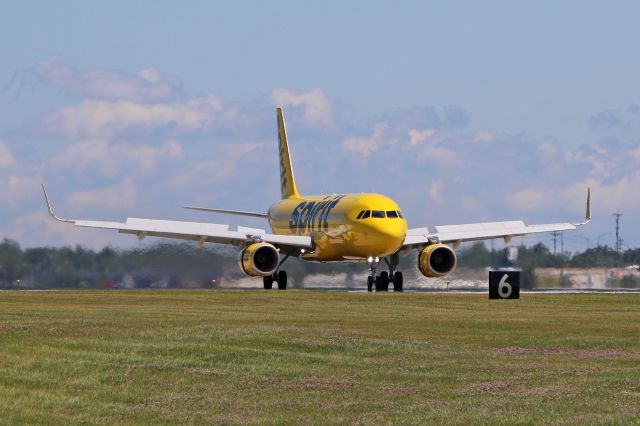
504 284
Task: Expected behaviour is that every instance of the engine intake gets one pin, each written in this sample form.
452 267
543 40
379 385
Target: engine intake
259 259
437 260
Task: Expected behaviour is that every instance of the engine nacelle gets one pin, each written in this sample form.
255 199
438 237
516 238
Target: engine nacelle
437 260
259 259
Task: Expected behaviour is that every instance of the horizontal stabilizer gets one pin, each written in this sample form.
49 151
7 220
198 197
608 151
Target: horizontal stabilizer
233 212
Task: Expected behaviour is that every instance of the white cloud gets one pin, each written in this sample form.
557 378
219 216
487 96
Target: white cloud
605 196
417 137
210 172
220 170
439 156
366 145
530 200
37 226
106 118
596 161
18 189
316 105
150 74
103 158
484 137
7 160
147 86
112 197
547 150
435 191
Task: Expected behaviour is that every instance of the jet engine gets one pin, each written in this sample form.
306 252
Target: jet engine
259 259
437 260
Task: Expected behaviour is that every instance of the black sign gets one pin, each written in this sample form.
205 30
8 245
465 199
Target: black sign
504 284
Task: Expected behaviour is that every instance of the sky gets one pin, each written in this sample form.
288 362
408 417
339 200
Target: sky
461 111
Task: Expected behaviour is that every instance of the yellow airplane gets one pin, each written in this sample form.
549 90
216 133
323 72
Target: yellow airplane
363 228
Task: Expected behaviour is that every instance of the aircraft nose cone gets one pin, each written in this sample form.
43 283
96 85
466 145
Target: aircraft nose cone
393 233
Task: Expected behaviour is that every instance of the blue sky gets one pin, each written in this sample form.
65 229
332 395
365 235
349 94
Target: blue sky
461 111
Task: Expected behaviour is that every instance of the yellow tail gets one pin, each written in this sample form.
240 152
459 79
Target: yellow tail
287 182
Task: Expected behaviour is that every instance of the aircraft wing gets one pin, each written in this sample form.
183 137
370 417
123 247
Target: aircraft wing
456 234
194 231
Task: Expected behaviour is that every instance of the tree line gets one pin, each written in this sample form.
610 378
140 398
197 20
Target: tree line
185 265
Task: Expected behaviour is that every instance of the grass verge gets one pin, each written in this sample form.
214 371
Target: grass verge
317 357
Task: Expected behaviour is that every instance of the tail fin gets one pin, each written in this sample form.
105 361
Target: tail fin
287 182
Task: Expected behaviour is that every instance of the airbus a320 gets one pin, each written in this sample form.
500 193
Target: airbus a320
367 228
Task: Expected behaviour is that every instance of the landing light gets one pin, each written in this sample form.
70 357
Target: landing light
301 251
370 259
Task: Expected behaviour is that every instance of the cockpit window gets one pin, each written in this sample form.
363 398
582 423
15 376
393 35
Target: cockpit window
377 213
366 214
392 214
400 214
360 214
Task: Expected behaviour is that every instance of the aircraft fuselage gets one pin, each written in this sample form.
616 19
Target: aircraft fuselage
344 227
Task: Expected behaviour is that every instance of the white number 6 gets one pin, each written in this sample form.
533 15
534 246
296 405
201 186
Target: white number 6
504 288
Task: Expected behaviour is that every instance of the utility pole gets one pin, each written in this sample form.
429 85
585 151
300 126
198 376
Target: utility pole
562 244
555 240
618 238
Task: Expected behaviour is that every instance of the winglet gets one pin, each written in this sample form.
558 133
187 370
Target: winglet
587 215
46 199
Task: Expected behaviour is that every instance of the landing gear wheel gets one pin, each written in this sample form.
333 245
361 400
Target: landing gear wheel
377 283
369 283
267 282
282 280
397 281
384 281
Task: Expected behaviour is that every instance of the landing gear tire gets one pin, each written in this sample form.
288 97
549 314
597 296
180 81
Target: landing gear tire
378 284
267 282
397 282
369 283
384 281
282 280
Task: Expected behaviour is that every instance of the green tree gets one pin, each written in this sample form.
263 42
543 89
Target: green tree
11 262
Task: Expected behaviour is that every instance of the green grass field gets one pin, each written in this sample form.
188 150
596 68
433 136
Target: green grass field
317 357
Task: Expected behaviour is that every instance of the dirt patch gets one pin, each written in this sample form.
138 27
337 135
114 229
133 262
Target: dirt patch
86 331
590 353
513 350
544 391
516 389
492 386
573 354
317 383
200 371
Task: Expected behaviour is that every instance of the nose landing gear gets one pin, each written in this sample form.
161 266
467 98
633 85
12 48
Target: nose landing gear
381 282
372 279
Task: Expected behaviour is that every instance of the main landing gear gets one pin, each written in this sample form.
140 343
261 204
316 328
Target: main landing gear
381 282
279 277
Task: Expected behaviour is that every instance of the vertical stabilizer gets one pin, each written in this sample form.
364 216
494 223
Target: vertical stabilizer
287 182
